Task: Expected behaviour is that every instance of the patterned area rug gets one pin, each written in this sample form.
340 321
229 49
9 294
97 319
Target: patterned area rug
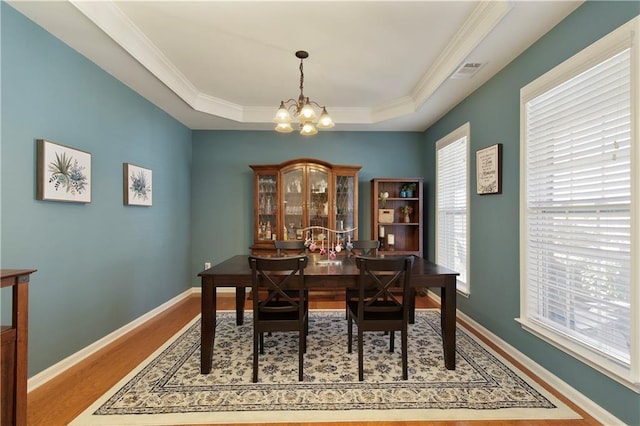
168 388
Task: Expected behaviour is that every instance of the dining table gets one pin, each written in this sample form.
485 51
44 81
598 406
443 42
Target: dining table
321 273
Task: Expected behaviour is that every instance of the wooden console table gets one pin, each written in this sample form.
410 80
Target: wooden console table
14 350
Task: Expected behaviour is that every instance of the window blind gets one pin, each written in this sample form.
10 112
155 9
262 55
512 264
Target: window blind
451 175
578 208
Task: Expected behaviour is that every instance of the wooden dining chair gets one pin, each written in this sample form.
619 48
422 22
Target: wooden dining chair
360 248
377 308
275 309
291 248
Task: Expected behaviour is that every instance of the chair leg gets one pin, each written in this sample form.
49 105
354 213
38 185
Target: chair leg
255 356
412 306
301 349
346 302
360 355
405 338
349 332
261 343
305 333
306 324
391 341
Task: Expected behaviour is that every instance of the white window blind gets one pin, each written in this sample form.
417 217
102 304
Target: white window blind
452 204
577 230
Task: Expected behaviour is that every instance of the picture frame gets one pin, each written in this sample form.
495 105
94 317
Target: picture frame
489 170
138 185
62 173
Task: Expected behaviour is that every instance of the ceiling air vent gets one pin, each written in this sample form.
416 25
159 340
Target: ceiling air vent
467 70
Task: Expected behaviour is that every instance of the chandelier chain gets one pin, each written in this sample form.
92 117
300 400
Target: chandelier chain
301 79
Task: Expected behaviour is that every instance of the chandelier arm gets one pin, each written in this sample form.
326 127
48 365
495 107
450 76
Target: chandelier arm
316 104
291 104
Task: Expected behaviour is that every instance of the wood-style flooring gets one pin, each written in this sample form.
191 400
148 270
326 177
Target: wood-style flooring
60 400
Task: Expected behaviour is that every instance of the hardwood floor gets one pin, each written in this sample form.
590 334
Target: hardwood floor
60 400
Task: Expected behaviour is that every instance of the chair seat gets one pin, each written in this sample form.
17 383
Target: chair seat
381 315
278 310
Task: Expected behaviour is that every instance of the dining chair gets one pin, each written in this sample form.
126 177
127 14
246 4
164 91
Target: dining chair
360 248
277 310
382 309
290 247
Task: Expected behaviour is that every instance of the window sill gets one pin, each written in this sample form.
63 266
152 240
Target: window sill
613 369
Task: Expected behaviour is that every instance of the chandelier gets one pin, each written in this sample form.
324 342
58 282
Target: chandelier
303 109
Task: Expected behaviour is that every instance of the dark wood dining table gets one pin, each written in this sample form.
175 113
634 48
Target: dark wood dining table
321 274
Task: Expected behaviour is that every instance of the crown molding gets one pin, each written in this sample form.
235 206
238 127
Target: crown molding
110 19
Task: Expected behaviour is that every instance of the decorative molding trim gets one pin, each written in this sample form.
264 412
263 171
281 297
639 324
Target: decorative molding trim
107 16
115 24
485 17
561 386
60 367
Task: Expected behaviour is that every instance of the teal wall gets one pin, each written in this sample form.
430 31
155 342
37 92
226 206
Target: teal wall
222 182
100 265
493 112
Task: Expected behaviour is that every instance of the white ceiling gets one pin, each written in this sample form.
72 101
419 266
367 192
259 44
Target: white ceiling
226 65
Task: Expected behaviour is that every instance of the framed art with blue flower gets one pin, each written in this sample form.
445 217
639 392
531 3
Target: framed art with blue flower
63 173
138 185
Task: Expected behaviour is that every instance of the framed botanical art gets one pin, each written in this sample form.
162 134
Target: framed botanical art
489 170
138 185
63 173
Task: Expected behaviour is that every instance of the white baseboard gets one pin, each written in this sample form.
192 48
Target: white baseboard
58 368
594 410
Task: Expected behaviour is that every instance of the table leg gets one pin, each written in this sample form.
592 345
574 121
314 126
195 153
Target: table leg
208 324
448 322
240 296
412 306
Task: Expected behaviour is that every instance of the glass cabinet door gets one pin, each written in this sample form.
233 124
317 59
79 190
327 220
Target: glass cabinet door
345 199
293 203
267 206
318 202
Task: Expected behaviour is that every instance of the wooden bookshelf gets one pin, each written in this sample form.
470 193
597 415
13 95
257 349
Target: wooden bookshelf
388 223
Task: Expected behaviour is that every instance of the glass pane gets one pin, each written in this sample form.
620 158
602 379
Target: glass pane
318 197
293 204
267 208
344 202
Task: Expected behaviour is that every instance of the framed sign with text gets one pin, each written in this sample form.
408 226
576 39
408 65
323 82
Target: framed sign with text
489 170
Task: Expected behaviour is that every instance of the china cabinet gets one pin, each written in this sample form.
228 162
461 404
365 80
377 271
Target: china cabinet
397 215
293 196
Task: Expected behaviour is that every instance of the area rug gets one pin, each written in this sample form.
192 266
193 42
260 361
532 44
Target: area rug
168 389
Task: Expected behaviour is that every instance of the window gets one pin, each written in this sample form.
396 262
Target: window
452 204
579 207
